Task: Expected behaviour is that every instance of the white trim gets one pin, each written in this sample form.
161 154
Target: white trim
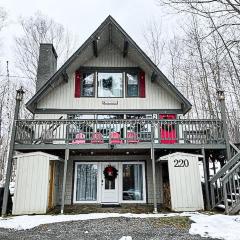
75 182
144 183
120 182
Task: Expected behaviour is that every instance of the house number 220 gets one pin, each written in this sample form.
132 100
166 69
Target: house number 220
181 163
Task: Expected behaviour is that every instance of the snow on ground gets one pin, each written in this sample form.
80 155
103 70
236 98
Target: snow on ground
216 226
27 222
126 238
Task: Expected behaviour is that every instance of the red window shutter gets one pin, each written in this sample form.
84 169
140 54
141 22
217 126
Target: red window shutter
77 84
142 91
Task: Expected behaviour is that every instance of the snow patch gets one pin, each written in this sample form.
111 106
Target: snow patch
27 222
216 226
126 238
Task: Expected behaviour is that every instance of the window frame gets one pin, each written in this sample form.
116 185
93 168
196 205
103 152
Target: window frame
110 71
144 182
122 70
126 83
94 83
75 182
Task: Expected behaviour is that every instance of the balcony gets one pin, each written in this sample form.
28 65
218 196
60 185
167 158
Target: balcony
118 132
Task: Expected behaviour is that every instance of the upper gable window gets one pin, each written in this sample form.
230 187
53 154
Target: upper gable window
110 84
132 84
88 80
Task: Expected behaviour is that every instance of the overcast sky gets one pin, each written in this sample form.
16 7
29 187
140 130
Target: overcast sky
82 17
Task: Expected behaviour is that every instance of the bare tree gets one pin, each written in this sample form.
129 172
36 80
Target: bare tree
3 90
40 29
215 54
201 7
3 18
154 41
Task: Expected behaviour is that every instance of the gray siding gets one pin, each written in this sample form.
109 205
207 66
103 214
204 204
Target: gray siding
149 182
68 194
62 97
110 56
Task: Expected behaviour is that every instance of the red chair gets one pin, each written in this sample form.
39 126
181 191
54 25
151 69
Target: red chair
132 137
79 139
115 138
97 138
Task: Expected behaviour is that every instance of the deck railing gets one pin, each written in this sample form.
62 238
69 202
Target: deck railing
183 131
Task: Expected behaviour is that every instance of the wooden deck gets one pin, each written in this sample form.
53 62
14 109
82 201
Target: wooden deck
119 134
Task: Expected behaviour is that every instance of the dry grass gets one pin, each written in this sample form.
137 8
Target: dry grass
177 222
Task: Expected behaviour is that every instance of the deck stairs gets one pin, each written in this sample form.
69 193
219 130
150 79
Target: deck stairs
225 185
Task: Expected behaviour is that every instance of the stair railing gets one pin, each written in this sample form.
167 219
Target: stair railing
216 184
231 190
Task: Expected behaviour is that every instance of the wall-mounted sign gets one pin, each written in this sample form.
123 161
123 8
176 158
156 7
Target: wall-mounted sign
110 102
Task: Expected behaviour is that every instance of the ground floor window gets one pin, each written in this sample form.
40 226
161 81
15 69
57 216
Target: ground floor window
86 182
132 178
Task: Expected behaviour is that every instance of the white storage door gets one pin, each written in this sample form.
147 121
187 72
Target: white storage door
31 189
185 182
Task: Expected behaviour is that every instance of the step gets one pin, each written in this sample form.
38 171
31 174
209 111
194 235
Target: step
110 205
221 206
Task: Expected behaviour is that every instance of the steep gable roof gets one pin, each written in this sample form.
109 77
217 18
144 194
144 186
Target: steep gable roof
110 30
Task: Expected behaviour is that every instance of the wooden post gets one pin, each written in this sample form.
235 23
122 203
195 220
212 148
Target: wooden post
208 206
154 181
221 99
19 97
154 174
64 178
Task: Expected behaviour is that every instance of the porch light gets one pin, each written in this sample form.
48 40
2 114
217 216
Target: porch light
20 93
220 94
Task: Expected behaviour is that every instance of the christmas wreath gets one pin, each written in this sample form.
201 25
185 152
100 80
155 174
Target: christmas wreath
110 173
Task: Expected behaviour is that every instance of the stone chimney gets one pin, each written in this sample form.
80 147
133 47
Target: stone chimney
47 64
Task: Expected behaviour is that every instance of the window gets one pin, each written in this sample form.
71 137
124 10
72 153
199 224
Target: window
86 182
132 84
88 85
110 84
132 182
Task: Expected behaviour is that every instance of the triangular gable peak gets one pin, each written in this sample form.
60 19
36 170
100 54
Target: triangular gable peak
107 41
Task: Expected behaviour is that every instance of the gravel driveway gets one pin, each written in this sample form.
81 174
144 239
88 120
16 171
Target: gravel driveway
109 228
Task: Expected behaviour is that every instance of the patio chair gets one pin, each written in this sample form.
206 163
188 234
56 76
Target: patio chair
132 137
115 138
79 139
97 138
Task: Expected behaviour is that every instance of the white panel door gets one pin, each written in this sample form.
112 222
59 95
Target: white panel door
185 182
110 189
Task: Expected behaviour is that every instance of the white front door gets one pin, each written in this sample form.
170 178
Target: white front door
110 188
